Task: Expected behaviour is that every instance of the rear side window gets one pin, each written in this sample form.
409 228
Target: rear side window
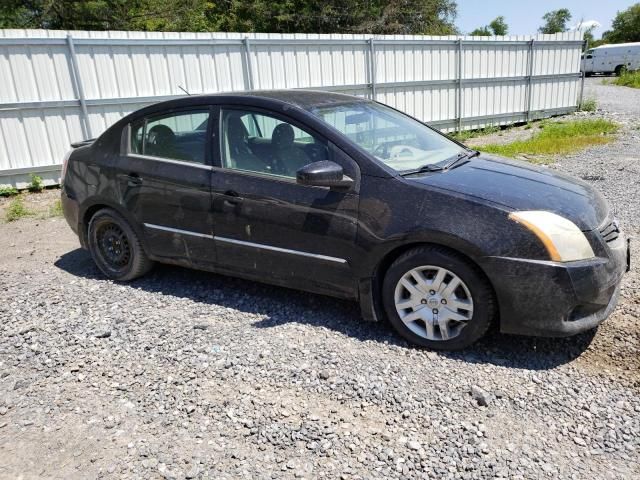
176 136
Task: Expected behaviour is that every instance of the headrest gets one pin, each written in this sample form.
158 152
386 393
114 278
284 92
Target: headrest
282 136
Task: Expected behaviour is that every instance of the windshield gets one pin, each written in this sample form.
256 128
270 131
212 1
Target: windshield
395 139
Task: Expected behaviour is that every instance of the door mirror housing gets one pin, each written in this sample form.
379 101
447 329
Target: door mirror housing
324 173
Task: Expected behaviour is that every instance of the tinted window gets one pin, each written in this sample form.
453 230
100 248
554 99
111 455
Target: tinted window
178 136
256 142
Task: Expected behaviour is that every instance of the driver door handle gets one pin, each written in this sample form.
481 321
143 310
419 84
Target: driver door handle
232 198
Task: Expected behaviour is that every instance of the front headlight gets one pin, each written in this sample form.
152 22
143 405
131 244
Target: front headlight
561 237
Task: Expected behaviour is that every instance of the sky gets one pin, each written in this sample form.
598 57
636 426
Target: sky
525 16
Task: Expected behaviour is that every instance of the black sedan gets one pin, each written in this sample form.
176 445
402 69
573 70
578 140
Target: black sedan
347 197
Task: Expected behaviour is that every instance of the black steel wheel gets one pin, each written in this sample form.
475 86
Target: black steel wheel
115 247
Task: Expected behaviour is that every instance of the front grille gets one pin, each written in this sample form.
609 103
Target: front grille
610 231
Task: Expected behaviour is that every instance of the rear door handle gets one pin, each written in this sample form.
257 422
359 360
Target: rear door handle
133 179
231 197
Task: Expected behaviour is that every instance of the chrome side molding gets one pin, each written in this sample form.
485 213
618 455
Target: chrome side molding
279 249
246 244
177 230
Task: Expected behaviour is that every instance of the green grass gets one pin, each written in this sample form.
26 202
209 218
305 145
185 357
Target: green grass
465 135
16 210
628 79
555 138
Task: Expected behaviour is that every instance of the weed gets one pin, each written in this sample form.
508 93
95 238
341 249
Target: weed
628 79
17 210
36 184
558 138
55 210
8 191
588 105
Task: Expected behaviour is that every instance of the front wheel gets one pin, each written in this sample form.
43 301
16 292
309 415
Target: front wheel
436 298
115 247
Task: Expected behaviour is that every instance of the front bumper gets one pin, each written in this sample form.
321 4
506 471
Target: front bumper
556 299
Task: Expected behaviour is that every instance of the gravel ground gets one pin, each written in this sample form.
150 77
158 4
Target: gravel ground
186 374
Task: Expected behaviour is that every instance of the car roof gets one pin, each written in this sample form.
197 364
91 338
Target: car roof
305 99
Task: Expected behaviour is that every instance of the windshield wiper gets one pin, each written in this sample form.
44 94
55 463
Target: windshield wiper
425 168
460 158
430 167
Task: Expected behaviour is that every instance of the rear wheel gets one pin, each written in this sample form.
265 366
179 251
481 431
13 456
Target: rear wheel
435 298
620 69
115 247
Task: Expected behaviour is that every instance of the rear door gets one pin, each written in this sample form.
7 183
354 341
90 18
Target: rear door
164 180
267 225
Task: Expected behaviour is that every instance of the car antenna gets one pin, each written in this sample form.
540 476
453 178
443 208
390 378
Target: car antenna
180 87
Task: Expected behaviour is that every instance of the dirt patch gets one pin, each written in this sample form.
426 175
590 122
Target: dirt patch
40 205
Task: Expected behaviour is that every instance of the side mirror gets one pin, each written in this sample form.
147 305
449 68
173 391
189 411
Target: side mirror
323 174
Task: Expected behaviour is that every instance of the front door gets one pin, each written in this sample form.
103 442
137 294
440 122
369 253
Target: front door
587 62
267 225
164 180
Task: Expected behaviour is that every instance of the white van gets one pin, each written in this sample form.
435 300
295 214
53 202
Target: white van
614 58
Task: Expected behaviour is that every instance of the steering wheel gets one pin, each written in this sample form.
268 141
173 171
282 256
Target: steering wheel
381 150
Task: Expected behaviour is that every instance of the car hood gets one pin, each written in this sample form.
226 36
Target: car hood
523 186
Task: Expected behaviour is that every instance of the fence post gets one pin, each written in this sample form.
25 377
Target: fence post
247 63
529 75
585 46
459 92
372 68
77 85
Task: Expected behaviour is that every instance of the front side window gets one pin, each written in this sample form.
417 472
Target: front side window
395 139
260 143
176 136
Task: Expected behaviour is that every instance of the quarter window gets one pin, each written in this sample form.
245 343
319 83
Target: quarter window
178 136
255 142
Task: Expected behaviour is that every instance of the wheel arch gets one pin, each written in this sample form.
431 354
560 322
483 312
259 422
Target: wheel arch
90 208
381 268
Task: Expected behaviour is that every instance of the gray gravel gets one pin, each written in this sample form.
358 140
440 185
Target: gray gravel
187 374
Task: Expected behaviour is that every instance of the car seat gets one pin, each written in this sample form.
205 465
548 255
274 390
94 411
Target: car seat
161 142
288 156
239 155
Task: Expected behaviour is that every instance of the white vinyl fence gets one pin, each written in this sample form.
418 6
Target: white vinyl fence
59 87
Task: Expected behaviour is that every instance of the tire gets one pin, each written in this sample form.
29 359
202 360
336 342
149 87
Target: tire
620 69
473 294
115 247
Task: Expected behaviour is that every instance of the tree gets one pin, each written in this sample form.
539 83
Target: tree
625 27
555 21
481 32
497 27
278 16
